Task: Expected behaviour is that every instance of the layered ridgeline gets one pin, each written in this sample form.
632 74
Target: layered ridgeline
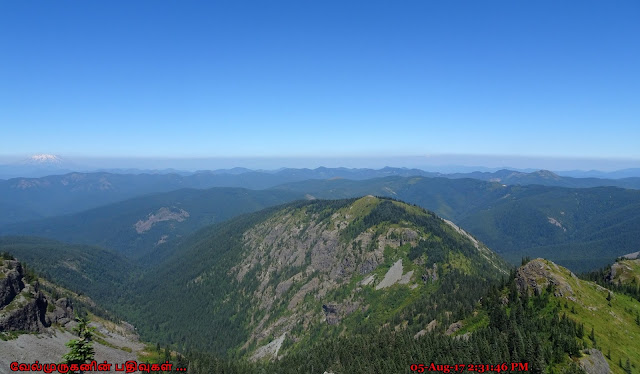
23 199
581 228
266 284
143 225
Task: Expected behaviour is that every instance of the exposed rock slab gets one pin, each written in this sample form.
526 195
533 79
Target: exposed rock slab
394 274
594 362
270 350
406 278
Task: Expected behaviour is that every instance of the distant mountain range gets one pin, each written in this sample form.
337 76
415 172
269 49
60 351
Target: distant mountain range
581 228
41 165
24 199
624 173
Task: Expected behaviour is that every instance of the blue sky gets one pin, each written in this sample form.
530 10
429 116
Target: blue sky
318 79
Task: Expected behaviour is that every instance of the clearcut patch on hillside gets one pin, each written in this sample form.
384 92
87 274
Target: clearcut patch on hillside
163 214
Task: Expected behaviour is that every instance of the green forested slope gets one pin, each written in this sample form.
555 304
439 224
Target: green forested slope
102 274
543 325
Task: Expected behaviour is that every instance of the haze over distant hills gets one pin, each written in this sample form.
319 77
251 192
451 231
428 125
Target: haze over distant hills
40 165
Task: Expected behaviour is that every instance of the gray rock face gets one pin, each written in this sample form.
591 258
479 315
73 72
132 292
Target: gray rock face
331 313
12 284
63 312
30 317
594 362
536 275
368 265
394 274
431 275
22 306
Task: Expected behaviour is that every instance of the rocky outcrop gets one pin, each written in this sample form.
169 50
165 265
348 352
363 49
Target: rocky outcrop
23 307
431 274
334 312
594 362
331 313
11 284
368 265
62 312
30 316
537 274
624 271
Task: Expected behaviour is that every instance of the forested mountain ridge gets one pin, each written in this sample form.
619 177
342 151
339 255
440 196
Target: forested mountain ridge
581 228
103 274
269 283
546 178
139 226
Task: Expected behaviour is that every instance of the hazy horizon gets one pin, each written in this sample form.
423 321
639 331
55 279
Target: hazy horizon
441 162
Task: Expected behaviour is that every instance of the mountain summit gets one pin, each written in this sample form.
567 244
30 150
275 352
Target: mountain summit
267 282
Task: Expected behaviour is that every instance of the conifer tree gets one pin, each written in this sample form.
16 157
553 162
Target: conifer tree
81 350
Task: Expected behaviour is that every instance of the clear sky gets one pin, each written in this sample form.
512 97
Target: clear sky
190 79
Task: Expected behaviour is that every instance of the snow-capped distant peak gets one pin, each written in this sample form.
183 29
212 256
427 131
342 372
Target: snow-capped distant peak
44 159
